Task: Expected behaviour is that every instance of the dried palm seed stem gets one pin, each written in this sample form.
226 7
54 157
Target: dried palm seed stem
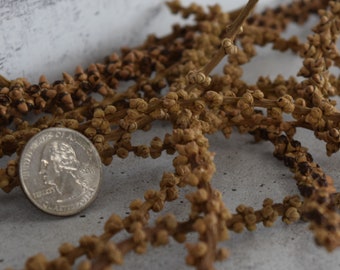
171 81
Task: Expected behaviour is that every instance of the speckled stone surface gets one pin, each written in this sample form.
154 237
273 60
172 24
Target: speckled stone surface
56 35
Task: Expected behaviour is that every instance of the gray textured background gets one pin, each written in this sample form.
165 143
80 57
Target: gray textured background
54 36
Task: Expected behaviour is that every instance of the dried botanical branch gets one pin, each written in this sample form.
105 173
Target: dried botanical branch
195 105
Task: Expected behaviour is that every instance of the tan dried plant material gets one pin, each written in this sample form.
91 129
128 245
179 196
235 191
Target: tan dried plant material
195 103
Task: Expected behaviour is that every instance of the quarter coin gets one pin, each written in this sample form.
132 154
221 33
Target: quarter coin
60 171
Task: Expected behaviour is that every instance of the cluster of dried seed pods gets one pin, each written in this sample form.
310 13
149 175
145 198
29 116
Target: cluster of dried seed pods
170 81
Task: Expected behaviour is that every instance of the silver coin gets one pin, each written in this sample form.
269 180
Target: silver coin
60 171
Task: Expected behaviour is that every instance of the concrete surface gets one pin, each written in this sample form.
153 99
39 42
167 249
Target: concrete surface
56 35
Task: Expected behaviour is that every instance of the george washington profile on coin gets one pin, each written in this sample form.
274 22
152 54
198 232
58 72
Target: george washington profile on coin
60 171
